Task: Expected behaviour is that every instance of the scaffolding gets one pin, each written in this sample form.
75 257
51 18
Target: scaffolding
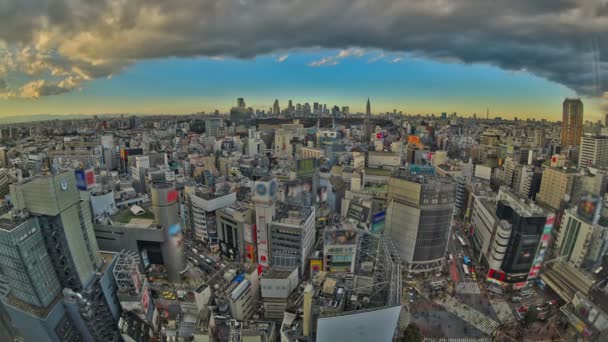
386 271
126 272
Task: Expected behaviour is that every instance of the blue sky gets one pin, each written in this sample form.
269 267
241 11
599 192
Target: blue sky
392 81
517 57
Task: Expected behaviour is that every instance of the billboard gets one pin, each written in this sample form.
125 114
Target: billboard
542 248
357 212
248 236
322 194
84 179
316 265
496 275
300 191
340 237
378 220
589 208
146 299
175 235
250 253
306 167
427 170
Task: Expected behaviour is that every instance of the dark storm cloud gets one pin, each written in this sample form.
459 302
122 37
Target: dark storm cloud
560 40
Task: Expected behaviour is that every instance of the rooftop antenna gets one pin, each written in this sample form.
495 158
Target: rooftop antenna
487 113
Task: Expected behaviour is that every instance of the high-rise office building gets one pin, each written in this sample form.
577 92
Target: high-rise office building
276 110
593 151
419 218
518 228
368 108
581 241
212 125
54 285
572 122
240 102
555 187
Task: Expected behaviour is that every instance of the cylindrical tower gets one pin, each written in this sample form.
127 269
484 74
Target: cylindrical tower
165 207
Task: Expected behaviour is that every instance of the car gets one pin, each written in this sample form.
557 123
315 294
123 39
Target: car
522 309
515 299
553 302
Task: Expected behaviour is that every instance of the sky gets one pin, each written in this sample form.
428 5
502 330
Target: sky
517 58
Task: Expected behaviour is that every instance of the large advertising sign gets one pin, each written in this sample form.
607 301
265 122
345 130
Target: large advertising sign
248 236
250 253
589 208
378 220
300 191
357 212
428 170
175 235
306 167
340 237
262 241
542 248
316 266
146 299
84 179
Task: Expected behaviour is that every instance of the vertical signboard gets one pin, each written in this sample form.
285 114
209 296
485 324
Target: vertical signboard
542 248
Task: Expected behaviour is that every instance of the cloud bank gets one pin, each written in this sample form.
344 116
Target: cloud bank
60 44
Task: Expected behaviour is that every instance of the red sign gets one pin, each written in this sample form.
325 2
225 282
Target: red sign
90 177
172 196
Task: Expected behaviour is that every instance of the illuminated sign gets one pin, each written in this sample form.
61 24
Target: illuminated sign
542 248
316 265
378 220
250 253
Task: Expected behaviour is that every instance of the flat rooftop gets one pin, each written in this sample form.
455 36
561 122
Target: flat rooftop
290 212
421 179
125 217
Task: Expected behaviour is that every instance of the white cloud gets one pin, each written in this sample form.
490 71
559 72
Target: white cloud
282 58
376 58
335 60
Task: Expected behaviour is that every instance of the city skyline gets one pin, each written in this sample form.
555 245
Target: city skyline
136 91
153 57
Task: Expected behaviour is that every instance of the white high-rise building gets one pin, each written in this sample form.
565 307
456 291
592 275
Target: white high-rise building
594 151
264 198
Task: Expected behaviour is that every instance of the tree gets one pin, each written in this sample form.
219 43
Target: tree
412 334
530 316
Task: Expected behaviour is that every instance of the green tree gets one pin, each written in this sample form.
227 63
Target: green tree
412 334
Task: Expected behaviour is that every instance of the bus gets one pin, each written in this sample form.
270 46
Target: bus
465 270
462 242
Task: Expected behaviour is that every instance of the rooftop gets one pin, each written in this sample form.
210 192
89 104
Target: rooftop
292 213
125 216
420 178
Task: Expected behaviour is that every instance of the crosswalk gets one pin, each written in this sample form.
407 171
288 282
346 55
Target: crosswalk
475 318
467 288
503 311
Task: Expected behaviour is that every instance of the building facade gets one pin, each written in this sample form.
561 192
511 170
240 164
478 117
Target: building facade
419 218
572 122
